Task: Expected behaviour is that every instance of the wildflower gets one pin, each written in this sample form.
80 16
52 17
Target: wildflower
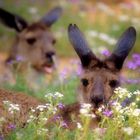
60 106
63 74
136 112
20 58
123 18
31 118
92 33
55 118
101 108
85 108
105 52
58 95
128 130
33 10
44 119
79 126
41 130
108 113
11 107
11 126
2 119
32 110
100 131
49 95
137 138
64 124
1 137
41 107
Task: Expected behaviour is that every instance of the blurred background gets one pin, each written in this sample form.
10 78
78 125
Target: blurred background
102 22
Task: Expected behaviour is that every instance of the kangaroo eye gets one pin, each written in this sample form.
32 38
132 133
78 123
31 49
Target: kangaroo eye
113 83
84 82
53 41
31 41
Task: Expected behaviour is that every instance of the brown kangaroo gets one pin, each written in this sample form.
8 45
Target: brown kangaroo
100 77
34 43
19 118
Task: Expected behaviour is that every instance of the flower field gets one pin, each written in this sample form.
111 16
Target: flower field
102 24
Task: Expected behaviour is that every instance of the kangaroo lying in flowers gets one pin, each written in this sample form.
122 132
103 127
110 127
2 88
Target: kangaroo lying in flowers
100 77
34 43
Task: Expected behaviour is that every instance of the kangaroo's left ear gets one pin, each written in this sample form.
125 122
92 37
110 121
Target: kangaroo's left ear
52 16
12 20
123 47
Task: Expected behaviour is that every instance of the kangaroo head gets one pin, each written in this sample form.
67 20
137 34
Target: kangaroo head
34 42
100 77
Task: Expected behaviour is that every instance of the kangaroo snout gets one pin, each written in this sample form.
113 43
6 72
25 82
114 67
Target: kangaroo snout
97 100
50 56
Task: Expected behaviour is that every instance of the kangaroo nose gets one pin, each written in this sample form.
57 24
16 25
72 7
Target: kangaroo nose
49 56
97 100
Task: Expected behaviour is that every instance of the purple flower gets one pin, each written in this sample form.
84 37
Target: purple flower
12 126
64 73
134 63
112 102
1 137
105 52
56 118
107 113
79 70
64 124
61 106
19 58
136 56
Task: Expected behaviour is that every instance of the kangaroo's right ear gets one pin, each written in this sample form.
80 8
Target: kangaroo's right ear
12 20
123 47
52 16
80 45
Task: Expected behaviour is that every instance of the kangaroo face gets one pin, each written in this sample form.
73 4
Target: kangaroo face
34 42
97 85
100 77
36 46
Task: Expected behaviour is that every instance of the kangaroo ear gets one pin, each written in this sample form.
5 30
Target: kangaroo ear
12 20
123 47
52 16
80 45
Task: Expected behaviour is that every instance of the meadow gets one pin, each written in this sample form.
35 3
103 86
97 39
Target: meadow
102 24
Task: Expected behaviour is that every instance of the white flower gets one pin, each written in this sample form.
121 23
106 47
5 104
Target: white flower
79 126
58 94
123 18
41 107
92 33
136 112
31 118
85 106
41 130
33 10
101 108
128 130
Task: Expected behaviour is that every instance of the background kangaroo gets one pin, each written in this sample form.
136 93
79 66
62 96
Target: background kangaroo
34 42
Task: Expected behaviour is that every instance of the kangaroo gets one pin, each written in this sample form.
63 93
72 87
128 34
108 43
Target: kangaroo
99 77
19 118
34 43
